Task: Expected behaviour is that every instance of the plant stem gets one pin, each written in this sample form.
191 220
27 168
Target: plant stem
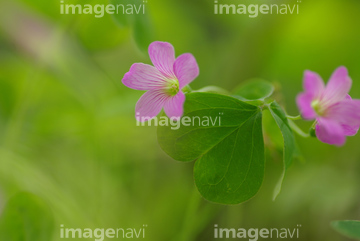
298 117
214 89
197 217
187 89
297 129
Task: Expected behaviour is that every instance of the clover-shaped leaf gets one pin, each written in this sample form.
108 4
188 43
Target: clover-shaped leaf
224 134
290 148
254 89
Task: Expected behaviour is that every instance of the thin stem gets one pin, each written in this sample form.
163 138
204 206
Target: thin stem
187 230
187 89
314 125
196 218
298 117
297 129
214 89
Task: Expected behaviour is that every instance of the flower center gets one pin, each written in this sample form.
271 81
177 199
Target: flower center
172 87
315 104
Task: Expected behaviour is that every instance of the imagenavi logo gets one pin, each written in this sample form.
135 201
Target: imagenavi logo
254 10
101 234
99 10
253 234
176 123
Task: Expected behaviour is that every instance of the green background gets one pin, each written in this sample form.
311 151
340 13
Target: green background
69 136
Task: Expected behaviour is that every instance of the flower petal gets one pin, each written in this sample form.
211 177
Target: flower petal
162 55
313 83
303 101
346 112
174 106
350 130
143 77
338 87
329 131
186 69
150 104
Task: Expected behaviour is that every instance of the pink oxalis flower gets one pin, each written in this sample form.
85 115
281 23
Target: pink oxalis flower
337 115
164 82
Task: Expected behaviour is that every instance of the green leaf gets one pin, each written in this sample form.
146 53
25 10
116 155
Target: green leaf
26 218
255 89
348 228
230 156
290 149
121 17
272 134
139 21
97 33
143 32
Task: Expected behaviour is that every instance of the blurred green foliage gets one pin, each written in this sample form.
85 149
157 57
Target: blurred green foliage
69 134
26 217
349 228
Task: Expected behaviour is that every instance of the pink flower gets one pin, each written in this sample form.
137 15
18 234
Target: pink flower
163 82
337 115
